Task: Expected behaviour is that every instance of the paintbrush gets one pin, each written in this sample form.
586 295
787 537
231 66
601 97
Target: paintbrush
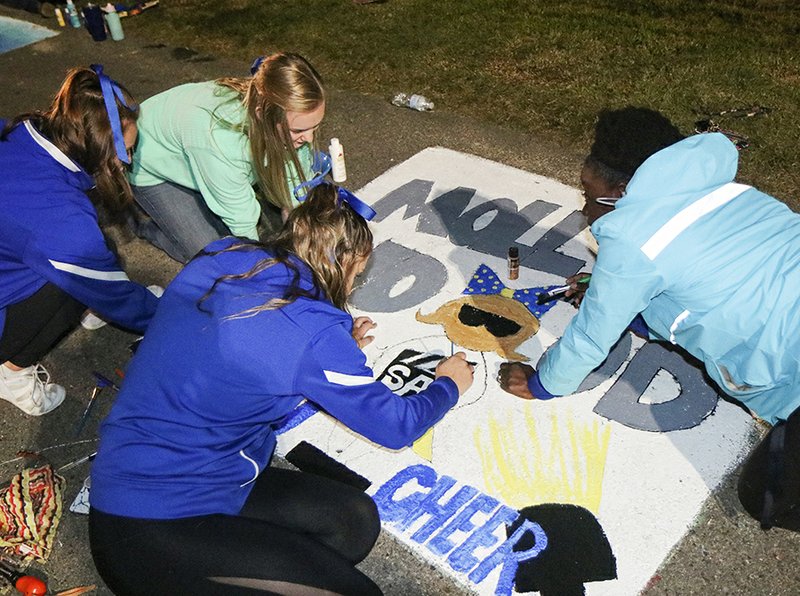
560 291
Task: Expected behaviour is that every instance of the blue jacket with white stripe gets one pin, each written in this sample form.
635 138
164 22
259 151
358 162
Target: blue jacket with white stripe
49 233
192 427
713 267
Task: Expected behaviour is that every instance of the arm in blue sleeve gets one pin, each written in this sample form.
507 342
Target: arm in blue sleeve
79 262
335 376
639 327
623 283
537 389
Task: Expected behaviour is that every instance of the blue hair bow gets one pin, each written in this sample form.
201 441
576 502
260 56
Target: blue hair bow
485 281
256 63
321 166
111 91
356 204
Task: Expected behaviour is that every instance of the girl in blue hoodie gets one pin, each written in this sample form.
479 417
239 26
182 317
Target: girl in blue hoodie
58 168
183 498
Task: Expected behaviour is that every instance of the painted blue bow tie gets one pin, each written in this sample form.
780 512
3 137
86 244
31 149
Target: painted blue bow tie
485 281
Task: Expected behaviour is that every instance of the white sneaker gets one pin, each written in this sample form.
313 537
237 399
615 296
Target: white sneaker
30 389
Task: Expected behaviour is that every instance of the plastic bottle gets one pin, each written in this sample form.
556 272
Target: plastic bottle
72 13
113 22
338 169
60 17
415 102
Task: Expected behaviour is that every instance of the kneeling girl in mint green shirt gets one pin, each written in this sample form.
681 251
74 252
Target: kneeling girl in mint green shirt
204 146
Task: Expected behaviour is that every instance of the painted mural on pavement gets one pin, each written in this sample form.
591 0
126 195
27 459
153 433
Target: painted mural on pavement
589 491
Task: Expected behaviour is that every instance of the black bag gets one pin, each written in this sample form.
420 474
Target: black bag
769 484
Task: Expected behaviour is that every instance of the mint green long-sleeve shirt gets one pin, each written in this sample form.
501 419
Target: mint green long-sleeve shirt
191 135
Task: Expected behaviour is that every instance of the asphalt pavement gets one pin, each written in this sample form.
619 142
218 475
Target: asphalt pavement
725 552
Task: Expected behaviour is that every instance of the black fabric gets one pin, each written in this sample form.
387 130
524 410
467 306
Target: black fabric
311 459
35 325
295 527
769 484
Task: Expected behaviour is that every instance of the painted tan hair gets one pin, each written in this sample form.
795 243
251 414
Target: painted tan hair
284 82
77 123
325 234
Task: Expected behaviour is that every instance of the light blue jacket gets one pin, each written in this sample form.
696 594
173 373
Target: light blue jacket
717 273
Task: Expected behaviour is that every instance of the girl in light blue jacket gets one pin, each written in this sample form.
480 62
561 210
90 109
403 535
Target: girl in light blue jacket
712 266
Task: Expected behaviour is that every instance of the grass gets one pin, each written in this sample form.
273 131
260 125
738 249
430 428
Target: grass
546 66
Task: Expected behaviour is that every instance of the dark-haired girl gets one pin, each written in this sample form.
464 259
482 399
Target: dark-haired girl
698 260
183 500
56 167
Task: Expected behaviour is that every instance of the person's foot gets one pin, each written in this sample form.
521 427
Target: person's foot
30 389
46 9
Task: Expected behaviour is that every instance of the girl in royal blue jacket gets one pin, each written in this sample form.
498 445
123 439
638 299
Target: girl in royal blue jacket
182 495
55 168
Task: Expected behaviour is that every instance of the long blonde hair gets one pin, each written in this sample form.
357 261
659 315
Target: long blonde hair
324 233
78 124
284 82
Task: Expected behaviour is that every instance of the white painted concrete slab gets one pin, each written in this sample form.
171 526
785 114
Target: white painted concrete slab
638 451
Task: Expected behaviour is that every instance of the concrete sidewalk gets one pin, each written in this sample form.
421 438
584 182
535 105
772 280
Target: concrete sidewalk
725 552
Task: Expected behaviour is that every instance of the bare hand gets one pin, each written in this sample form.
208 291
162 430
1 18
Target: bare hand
362 326
513 378
457 368
575 295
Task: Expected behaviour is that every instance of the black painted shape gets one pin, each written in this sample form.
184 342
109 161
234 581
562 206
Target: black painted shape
314 461
543 255
391 263
495 324
696 401
410 372
577 551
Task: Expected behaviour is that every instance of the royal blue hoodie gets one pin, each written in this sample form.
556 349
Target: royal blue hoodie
49 233
192 427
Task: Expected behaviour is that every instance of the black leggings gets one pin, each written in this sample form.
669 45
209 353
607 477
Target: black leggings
295 528
35 325
769 484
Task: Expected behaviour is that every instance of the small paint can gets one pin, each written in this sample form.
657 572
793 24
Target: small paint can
513 262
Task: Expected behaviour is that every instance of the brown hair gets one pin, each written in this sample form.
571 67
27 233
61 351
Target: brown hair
324 233
78 124
284 82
